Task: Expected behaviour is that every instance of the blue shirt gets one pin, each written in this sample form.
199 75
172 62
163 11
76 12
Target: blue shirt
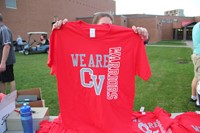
19 41
196 38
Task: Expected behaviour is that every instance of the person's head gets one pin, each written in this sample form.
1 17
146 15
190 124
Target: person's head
43 37
102 18
1 18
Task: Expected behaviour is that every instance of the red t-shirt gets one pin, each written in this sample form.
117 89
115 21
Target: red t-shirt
158 121
95 67
188 122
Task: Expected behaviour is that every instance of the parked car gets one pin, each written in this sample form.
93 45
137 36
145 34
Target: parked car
33 46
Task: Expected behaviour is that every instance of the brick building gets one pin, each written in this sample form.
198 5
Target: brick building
176 12
160 27
23 16
37 15
164 27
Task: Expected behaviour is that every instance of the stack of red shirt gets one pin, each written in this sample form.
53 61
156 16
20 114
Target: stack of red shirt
158 121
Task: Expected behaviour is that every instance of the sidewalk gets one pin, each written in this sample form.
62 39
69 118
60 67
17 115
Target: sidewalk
189 45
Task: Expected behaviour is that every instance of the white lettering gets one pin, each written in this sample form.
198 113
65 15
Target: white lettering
93 83
196 128
113 72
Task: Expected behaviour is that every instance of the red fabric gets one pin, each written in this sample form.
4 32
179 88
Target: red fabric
1 96
188 122
158 121
96 76
56 126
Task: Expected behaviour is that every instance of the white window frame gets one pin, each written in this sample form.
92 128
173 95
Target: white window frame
12 4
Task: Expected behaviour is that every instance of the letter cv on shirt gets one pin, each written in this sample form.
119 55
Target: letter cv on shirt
196 38
95 67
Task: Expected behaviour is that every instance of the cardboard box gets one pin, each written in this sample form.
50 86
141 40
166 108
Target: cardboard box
7 105
33 91
14 120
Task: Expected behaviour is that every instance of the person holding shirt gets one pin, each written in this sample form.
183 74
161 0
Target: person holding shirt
107 18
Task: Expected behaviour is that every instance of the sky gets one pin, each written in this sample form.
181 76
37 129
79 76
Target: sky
157 7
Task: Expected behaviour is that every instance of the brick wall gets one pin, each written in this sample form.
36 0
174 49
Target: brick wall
37 15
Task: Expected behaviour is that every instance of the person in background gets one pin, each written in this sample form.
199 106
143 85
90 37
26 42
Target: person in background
107 18
196 61
7 58
44 40
19 43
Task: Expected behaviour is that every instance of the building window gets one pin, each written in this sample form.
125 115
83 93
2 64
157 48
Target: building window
180 29
11 4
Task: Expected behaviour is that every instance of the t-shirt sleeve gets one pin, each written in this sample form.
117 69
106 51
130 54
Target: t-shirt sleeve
52 55
6 36
141 61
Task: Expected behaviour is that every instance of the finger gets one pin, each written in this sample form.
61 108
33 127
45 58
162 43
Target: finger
59 24
139 30
54 26
145 34
134 28
65 21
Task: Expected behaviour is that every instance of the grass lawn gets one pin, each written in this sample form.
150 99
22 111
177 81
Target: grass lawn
169 87
170 84
31 72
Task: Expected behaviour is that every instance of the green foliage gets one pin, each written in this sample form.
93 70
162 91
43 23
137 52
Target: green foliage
169 87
